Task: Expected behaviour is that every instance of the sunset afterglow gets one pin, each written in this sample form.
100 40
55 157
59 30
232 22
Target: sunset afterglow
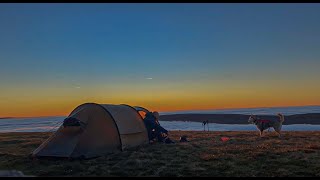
165 57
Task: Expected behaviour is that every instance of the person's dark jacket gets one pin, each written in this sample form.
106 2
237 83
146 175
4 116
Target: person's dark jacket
151 124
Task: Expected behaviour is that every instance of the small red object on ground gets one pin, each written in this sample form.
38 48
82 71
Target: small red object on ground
225 139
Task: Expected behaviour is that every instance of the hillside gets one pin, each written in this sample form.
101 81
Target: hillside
245 154
309 118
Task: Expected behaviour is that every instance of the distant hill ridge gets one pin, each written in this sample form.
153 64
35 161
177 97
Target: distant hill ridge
308 118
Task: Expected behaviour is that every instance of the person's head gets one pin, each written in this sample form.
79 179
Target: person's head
156 115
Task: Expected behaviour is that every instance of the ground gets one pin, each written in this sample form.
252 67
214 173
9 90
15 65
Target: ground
245 154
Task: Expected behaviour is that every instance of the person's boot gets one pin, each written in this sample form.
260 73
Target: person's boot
169 141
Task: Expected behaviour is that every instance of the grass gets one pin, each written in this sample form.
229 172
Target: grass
245 154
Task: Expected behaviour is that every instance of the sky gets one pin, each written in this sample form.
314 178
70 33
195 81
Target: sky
165 57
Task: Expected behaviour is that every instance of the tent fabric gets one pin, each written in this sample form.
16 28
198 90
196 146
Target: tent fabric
108 128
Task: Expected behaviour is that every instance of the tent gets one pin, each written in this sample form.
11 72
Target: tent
93 130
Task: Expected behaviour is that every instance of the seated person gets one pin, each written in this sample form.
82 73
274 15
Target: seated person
155 131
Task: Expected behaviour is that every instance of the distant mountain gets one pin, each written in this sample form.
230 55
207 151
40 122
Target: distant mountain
6 117
309 118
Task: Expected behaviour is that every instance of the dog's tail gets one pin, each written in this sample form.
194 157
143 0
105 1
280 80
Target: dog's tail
281 117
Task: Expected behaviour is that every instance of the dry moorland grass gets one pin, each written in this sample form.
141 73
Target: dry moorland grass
245 154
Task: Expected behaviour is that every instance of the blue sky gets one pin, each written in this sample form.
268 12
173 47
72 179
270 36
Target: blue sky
46 45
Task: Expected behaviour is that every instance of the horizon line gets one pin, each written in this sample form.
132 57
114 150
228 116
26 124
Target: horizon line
174 111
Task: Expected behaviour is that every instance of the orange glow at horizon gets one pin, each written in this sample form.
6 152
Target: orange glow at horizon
64 108
160 96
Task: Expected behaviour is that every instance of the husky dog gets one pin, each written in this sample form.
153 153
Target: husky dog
265 124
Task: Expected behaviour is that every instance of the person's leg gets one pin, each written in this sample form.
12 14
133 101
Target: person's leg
161 129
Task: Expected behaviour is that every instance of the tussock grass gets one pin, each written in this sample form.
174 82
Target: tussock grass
245 154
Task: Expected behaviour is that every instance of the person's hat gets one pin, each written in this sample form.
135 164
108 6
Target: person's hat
156 114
